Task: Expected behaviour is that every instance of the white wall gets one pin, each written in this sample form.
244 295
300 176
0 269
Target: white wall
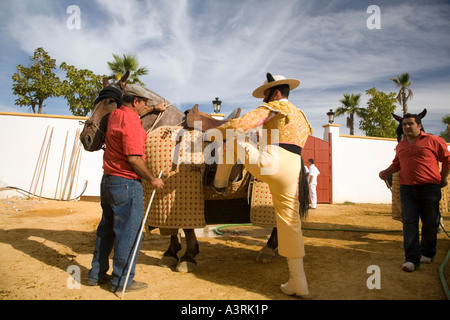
22 137
356 160
356 163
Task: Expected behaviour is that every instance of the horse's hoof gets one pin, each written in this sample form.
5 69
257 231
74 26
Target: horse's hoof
168 262
186 266
266 255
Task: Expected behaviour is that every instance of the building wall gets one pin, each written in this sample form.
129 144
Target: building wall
22 138
356 164
356 161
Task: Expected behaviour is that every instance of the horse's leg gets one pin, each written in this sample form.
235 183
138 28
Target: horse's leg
170 257
272 243
269 251
187 262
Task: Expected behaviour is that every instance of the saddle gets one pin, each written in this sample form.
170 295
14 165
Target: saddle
208 122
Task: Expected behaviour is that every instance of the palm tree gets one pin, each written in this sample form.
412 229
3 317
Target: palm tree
446 134
403 82
128 62
350 106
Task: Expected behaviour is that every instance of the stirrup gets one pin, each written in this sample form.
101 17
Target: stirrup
221 191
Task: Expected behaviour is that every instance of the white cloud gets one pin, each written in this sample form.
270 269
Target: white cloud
197 50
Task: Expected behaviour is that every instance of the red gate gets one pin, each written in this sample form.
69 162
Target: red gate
320 151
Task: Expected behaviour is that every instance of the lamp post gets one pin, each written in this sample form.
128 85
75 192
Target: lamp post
331 132
216 104
331 115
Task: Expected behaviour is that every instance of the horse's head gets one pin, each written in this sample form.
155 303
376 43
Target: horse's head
93 135
399 119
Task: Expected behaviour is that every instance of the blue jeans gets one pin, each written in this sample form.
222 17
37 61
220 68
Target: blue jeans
420 201
122 204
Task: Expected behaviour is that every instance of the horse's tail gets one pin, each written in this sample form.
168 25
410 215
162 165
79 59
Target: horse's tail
303 192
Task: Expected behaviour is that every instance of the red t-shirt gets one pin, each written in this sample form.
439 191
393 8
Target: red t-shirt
418 163
125 136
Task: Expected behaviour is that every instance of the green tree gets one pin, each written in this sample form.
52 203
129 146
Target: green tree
36 83
124 63
446 134
80 89
377 118
405 93
350 105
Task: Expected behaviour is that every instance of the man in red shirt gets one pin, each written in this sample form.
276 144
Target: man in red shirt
417 158
121 192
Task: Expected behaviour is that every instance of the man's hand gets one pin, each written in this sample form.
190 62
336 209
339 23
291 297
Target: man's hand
139 167
157 183
161 106
444 177
383 175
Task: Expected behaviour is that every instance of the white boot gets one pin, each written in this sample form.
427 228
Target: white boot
297 279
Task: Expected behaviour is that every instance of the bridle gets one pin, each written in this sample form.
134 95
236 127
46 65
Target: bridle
93 123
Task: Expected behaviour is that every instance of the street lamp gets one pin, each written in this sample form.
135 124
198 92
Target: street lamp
216 104
331 115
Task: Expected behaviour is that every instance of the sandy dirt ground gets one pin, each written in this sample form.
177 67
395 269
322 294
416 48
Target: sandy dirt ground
41 239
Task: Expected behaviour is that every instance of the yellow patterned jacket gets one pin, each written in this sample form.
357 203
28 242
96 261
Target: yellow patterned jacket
291 122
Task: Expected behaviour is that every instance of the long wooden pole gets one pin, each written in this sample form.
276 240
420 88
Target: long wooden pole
39 160
78 171
46 161
61 168
71 163
74 170
36 183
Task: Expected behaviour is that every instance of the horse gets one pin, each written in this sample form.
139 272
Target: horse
399 119
93 135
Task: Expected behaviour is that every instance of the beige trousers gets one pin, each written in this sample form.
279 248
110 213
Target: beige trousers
280 169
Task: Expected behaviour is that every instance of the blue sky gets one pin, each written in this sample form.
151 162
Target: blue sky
197 50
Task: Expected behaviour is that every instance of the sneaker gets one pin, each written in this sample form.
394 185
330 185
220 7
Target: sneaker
135 286
408 267
425 259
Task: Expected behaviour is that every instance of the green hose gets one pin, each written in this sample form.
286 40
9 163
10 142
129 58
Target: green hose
351 230
441 275
230 225
307 228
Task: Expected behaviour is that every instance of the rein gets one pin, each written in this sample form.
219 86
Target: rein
158 118
92 123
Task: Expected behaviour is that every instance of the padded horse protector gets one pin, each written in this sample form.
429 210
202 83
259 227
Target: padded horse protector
262 211
180 204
